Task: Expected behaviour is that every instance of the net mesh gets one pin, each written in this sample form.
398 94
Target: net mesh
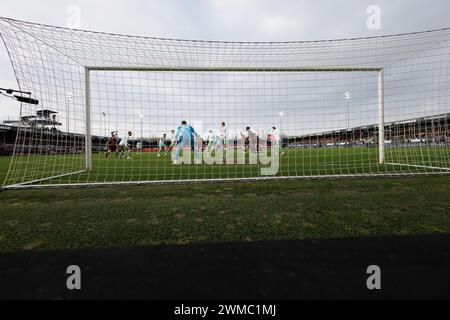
312 108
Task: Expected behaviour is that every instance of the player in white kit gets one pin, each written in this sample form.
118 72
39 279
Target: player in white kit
223 138
124 147
277 141
213 141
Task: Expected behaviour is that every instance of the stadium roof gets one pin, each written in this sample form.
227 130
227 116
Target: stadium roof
45 113
375 126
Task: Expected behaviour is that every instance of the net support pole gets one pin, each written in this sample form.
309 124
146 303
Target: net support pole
381 151
88 138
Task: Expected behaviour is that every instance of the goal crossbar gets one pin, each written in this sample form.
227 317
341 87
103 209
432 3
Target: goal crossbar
221 69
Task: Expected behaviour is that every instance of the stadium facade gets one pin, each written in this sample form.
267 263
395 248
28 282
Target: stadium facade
433 130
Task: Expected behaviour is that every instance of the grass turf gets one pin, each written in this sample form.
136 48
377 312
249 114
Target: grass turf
296 162
177 214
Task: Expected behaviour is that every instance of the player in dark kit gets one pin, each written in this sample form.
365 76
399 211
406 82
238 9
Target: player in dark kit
112 146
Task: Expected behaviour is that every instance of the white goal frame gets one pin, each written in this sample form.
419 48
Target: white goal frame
88 128
379 70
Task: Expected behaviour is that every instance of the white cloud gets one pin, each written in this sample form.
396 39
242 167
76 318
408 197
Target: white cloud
239 20
276 25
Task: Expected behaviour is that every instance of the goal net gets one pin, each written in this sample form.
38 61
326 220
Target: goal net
119 109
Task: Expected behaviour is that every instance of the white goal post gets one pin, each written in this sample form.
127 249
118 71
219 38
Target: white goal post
119 109
379 70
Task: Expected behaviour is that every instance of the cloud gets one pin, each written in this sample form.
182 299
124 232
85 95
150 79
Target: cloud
277 26
237 20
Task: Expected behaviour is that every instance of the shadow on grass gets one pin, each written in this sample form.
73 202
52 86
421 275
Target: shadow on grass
412 267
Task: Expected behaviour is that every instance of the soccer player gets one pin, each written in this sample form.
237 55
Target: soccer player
196 144
139 147
185 137
252 141
276 140
111 146
173 139
213 141
223 135
124 147
162 146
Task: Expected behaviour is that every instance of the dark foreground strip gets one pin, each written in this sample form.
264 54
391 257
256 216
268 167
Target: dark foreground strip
411 267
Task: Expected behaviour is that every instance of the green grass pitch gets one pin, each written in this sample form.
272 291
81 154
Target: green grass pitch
296 162
244 211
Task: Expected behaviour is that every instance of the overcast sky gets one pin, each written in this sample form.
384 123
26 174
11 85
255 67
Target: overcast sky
233 20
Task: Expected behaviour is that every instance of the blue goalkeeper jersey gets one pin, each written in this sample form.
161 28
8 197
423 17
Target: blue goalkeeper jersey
185 133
